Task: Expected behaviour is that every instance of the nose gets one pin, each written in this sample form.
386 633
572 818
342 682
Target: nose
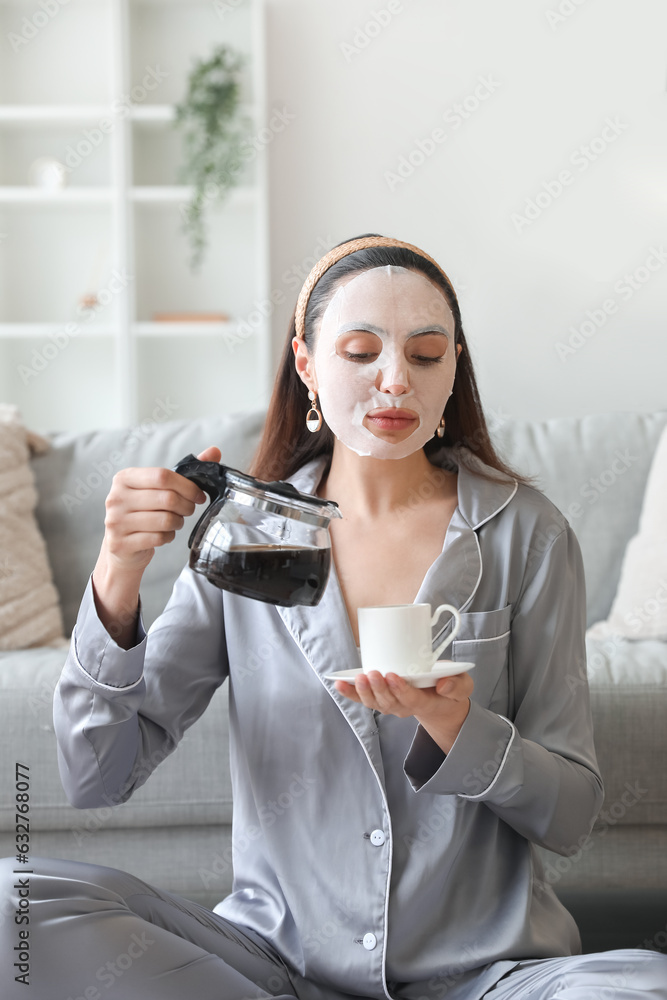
393 377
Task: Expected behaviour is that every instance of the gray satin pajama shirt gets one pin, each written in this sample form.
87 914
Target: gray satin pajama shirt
396 870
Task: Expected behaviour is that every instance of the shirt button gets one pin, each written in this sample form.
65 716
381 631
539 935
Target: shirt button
369 941
377 838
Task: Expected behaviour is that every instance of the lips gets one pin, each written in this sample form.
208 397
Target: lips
393 418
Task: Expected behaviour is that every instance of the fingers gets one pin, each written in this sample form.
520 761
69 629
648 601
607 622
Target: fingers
211 454
125 547
359 691
163 481
366 692
348 690
131 499
390 695
393 695
144 509
149 520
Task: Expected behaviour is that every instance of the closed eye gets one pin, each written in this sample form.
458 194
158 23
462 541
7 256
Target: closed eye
360 357
421 360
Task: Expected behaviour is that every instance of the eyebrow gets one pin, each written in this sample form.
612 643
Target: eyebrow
371 328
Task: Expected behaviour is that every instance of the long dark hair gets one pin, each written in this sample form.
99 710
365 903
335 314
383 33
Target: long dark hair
287 444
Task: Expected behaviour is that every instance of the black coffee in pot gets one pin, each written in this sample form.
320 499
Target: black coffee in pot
278 574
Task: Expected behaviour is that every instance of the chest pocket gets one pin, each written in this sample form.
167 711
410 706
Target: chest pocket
483 639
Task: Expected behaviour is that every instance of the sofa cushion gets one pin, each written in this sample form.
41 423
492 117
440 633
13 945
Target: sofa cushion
639 610
29 605
74 478
628 684
594 468
190 788
621 857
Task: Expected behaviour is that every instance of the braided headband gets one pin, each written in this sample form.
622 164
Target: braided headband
333 256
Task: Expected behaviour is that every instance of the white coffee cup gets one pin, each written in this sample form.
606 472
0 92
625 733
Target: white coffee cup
397 638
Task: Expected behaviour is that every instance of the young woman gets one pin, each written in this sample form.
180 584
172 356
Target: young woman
405 865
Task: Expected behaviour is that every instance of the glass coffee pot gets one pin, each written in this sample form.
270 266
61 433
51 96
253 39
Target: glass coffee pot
263 540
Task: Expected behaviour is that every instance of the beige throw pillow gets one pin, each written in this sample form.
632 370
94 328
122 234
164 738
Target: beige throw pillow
29 603
639 610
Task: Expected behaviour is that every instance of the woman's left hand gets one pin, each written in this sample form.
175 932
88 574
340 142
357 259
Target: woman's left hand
441 710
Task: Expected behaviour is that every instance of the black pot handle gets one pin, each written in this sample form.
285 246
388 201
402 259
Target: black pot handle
209 476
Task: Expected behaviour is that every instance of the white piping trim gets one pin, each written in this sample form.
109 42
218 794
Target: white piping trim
479 553
479 575
112 687
439 635
492 638
330 692
498 509
94 680
501 765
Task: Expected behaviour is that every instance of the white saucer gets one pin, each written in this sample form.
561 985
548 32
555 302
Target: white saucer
441 668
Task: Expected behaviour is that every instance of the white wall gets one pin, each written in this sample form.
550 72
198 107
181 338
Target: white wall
358 111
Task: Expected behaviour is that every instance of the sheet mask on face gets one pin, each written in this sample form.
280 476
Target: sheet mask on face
379 314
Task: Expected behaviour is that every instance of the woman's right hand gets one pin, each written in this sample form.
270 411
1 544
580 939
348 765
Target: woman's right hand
144 509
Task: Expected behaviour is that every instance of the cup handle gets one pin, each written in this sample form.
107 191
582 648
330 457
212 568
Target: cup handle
457 625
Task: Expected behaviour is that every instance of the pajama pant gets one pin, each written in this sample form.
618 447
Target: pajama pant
97 932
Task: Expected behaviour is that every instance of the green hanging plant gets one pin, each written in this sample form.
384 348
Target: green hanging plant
214 132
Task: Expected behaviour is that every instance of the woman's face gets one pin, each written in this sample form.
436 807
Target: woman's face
384 361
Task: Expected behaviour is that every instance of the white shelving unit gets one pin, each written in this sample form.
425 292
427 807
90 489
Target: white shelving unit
94 86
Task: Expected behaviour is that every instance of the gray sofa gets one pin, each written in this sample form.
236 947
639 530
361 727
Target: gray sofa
175 831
